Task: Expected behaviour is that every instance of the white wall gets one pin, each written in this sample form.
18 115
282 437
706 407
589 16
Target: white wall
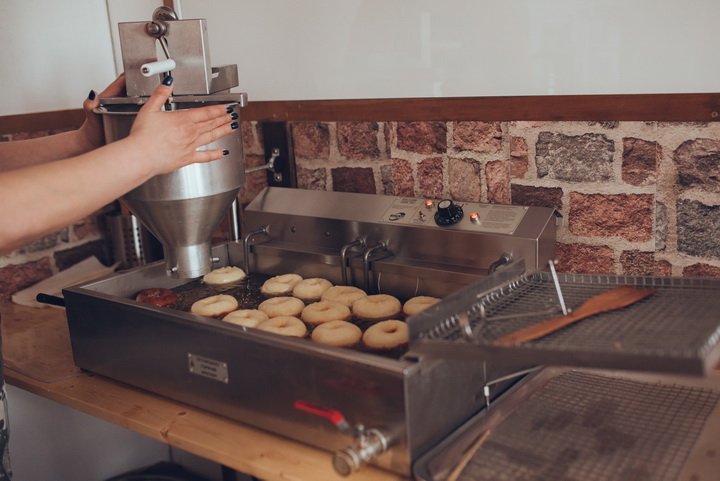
51 442
53 53
315 49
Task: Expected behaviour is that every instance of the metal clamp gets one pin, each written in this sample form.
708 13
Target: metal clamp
270 165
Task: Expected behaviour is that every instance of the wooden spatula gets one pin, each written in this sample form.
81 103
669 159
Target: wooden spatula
607 301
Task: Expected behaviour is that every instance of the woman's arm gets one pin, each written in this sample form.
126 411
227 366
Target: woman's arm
42 198
24 153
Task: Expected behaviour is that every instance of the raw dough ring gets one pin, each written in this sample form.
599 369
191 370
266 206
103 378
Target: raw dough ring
285 326
325 311
418 303
215 306
337 333
282 306
345 294
224 275
384 335
377 307
310 290
280 285
246 317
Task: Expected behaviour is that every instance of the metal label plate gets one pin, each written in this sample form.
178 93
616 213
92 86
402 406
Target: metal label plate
210 368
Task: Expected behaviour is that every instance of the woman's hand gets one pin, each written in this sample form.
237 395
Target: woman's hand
91 132
168 140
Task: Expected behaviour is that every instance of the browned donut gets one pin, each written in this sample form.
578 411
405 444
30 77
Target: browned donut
158 296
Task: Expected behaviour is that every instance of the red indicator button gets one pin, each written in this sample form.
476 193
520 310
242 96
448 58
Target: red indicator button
428 203
474 217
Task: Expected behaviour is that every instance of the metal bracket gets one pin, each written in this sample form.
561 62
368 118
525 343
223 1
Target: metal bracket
270 165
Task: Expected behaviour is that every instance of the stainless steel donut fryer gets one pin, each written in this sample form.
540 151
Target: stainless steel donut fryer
380 243
415 414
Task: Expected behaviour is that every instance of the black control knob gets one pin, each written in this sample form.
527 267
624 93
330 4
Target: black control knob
448 213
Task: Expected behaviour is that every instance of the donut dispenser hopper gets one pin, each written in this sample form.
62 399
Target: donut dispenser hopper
184 207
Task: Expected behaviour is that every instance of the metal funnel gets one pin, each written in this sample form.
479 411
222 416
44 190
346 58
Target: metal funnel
183 208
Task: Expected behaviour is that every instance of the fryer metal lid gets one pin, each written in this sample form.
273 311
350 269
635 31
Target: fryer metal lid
675 330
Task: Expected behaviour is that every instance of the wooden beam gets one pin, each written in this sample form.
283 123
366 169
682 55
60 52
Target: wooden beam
696 107
41 121
701 107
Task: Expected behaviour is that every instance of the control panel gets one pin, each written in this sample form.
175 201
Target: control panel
471 216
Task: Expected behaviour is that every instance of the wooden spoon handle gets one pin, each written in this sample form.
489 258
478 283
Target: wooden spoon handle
607 301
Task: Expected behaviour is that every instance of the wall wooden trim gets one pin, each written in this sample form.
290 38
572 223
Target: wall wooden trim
41 121
702 107
696 107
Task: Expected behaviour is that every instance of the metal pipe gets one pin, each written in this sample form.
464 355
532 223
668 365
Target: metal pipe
360 241
234 221
366 264
246 246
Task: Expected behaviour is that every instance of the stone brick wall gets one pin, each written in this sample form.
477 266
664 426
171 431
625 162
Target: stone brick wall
57 251
638 198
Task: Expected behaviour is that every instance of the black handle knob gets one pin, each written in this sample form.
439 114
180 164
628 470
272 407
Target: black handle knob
448 213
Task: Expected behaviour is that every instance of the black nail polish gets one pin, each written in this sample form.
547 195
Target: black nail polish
234 125
225 152
91 95
234 116
167 81
229 110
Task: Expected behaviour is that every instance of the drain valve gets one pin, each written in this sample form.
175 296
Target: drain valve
367 446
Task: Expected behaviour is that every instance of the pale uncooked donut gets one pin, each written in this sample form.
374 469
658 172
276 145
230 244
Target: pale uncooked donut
345 294
215 306
282 306
280 285
376 307
284 325
417 304
246 317
224 275
337 333
310 290
389 334
325 311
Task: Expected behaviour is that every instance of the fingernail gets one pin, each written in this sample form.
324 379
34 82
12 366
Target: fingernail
91 95
167 81
229 110
234 116
234 125
225 152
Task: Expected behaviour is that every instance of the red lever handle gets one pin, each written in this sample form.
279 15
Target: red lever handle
334 416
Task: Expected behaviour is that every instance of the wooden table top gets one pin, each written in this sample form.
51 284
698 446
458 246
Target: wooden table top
38 359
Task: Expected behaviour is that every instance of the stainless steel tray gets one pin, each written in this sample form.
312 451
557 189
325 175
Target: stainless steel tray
676 329
590 426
